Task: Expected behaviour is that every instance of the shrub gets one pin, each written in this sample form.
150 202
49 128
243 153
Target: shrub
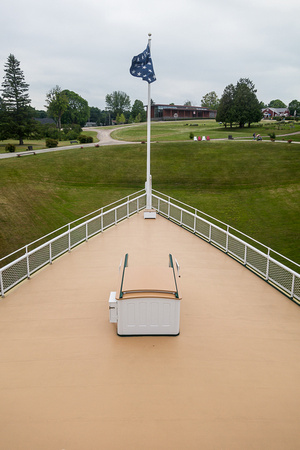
272 135
191 135
10 148
83 139
51 143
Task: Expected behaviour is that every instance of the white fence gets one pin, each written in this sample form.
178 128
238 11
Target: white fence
44 253
276 269
252 254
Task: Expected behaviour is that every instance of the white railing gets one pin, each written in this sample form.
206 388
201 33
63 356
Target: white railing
40 253
276 269
251 253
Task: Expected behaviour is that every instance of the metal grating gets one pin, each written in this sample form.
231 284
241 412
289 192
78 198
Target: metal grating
14 274
78 235
94 226
188 220
121 212
39 258
236 248
59 246
257 261
297 288
218 236
108 219
175 213
133 206
280 276
202 227
163 207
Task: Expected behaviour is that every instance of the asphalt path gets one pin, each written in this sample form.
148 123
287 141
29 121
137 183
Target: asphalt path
105 138
103 135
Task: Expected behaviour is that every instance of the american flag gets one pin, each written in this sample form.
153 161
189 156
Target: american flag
141 66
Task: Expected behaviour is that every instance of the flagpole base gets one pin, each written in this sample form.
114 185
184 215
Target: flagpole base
149 214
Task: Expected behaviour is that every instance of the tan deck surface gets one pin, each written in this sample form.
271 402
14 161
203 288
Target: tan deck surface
230 380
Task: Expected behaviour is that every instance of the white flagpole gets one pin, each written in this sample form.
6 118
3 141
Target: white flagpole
149 185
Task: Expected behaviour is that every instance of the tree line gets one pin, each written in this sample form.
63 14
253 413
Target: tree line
69 111
238 105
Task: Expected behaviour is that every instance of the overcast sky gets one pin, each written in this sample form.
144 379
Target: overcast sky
197 46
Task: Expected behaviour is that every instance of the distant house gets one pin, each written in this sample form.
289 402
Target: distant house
270 113
174 112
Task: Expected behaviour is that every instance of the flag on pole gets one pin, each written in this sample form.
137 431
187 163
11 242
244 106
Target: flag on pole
141 66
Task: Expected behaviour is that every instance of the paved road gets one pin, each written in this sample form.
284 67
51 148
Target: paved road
103 135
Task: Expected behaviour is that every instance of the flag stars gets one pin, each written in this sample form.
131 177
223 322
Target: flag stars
141 66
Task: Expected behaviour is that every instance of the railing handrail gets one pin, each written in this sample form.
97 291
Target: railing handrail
228 227
45 244
68 225
284 278
243 242
274 272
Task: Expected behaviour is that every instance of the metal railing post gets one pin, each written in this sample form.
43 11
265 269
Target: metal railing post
268 264
293 286
101 220
86 232
245 255
27 262
127 206
69 238
227 238
50 253
1 285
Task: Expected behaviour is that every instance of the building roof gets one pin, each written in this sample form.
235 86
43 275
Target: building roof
182 107
68 381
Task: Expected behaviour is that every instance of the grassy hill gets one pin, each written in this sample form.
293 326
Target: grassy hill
253 186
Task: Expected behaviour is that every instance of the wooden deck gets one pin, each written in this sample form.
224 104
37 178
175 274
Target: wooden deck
230 380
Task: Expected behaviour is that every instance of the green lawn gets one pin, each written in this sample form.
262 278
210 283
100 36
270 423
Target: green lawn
180 131
253 186
38 144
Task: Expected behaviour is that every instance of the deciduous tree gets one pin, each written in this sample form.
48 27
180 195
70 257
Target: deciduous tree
118 103
77 111
210 100
57 103
294 108
276 104
138 111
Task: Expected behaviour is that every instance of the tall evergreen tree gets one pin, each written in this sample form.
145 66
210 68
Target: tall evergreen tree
239 104
16 113
226 109
246 103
